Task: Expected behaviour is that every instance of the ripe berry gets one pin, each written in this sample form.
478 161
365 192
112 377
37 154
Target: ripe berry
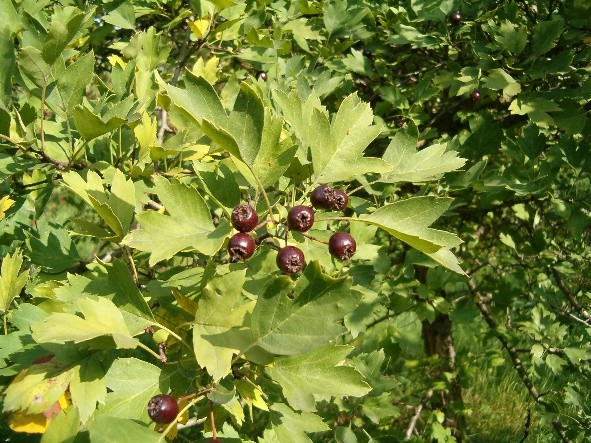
262 75
241 246
244 218
456 17
475 96
342 246
341 200
322 197
300 218
163 408
290 260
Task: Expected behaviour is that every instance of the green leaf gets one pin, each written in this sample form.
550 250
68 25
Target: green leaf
9 18
31 63
36 388
285 320
337 146
114 430
64 25
188 225
52 248
409 220
12 281
63 428
417 166
127 295
65 94
116 207
88 387
220 311
131 382
91 126
545 35
499 79
510 37
292 427
8 57
317 373
101 318
123 16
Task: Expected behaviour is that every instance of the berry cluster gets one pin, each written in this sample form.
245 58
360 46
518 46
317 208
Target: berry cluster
300 218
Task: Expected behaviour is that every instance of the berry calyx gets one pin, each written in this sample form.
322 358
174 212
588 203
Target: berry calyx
300 218
163 408
262 75
290 260
342 245
475 96
241 246
244 218
322 197
341 199
456 17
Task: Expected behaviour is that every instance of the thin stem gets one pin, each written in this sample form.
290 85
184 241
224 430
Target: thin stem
311 237
5 325
195 394
418 410
131 264
147 349
214 433
43 91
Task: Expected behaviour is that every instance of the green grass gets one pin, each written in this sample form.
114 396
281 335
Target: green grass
496 398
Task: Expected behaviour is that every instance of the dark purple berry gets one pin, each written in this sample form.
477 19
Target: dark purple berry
262 75
163 408
241 246
456 17
290 260
244 218
342 245
475 96
300 218
322 197
341 200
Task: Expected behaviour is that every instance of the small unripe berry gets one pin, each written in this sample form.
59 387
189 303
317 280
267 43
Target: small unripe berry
290 260
342 245
163 408
322 197
241 246
244 218
341 199
300 218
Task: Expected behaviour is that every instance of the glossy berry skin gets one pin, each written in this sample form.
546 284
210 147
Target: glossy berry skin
163 408
322 197
290 260
342 245
456 17
475 96
244 218
241 246
300 218
262 75
341 200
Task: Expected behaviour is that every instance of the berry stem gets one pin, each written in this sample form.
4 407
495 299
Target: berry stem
214 433
180 414
195 394
147 349
311 237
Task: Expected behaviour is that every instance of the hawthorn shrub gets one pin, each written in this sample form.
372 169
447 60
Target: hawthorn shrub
293 221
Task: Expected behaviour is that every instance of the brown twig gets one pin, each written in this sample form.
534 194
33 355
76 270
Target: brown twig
568 294
418 410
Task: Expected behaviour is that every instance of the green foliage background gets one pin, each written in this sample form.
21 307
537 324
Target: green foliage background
130 129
